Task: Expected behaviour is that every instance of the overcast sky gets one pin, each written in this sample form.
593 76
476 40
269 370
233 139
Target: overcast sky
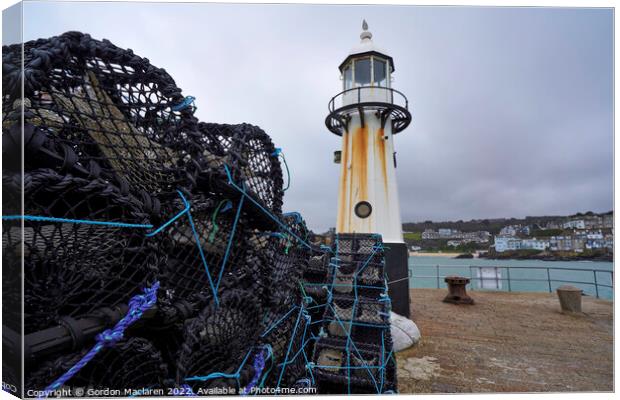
512 107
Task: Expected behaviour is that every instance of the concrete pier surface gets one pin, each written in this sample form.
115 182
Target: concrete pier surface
507 342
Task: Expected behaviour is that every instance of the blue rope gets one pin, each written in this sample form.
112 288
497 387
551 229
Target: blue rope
230 240
269 214
288 173
215 375
266 374
227 206
383 362
273 234
104 223
294 214
326 249
171 220
74 221
349 343
186 210
290 344
202 256
138 304
352 344
304 341
278 321
187 101
259 366
353 310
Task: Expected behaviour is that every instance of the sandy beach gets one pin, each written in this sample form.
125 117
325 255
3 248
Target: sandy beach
423 254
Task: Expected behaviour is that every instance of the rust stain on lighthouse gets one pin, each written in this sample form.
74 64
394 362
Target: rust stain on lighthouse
344 178
381 153
359 161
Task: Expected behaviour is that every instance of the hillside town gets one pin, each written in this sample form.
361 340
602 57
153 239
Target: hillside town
579 234
576 235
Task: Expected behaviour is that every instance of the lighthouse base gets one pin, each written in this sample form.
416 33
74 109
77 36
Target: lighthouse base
397 270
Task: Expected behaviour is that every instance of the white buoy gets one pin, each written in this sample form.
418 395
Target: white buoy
405 332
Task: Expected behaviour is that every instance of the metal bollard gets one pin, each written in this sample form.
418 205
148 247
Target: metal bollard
457 293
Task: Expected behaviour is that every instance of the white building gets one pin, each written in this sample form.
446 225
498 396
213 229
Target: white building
510 230
429 234
506 243
534 244
447 232
574 224
561 243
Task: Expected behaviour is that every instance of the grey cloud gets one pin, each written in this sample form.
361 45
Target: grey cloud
512 107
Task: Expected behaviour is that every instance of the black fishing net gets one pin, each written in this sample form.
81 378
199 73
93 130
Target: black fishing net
96 109
360 243
288 260
131 364
354 351
344 279
363 320
348 367
250 149
125 190
203 252
12 278
291 348
73 269
96 103
218 338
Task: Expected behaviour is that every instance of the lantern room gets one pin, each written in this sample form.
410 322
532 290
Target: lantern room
366 64
366 75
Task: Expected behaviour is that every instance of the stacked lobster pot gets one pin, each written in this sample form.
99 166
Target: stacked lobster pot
125 190
315 284
354 351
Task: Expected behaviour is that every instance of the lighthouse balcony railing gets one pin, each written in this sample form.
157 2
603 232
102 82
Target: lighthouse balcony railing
371 95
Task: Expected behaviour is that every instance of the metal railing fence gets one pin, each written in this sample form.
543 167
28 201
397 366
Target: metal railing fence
509 280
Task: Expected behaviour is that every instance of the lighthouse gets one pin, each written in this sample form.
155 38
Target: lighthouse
367 113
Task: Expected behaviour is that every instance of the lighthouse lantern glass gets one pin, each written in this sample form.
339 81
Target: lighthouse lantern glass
380 75
362 72
348 77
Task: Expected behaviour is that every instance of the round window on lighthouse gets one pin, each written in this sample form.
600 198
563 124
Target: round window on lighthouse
363 209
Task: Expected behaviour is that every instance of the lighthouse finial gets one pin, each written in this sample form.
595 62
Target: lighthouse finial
365 34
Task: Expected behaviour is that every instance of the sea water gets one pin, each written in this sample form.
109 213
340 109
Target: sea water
514 275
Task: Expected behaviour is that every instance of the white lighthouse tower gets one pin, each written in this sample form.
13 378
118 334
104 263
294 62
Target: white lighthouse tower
367 114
